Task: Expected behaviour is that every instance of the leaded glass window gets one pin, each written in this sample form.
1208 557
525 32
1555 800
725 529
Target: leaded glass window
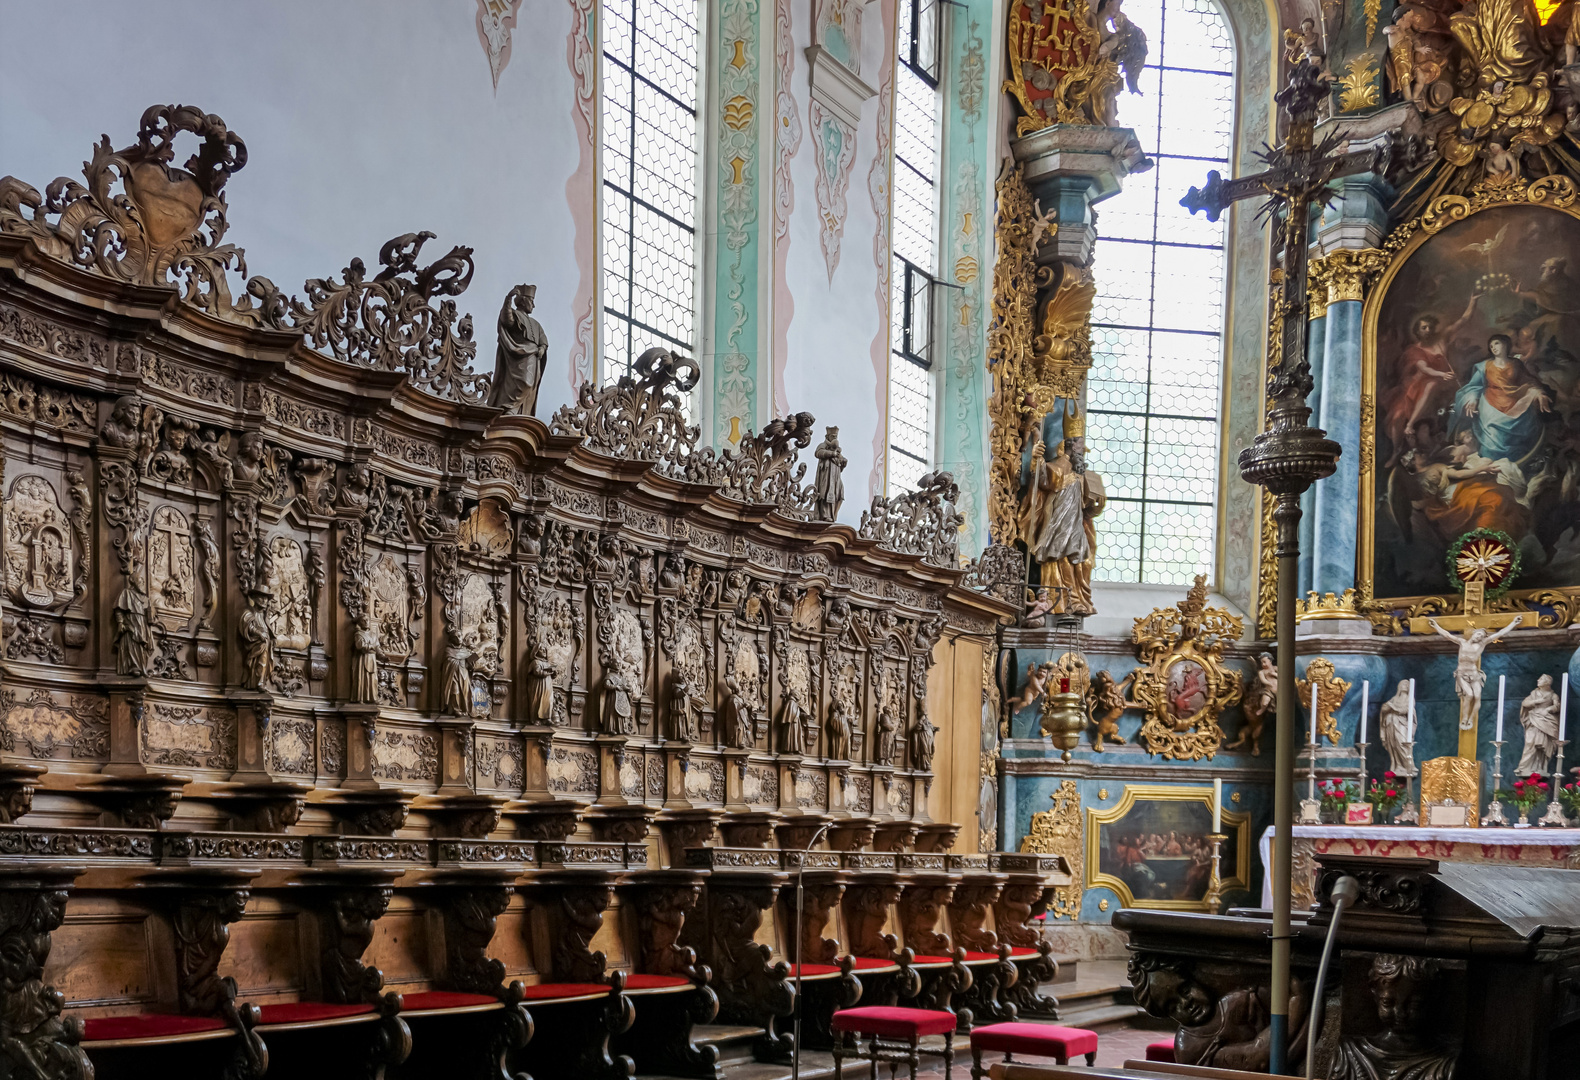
1157 325
649 170
917 108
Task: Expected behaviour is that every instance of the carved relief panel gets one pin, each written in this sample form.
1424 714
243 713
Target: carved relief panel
290 604
41 548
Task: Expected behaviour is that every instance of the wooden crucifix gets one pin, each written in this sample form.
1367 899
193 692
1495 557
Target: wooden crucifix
1290 455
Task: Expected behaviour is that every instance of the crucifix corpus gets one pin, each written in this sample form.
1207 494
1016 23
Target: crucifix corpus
1290 455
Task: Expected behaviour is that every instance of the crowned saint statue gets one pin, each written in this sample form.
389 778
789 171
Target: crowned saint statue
1060 503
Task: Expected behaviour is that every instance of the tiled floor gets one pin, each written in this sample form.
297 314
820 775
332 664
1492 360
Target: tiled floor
1114 1047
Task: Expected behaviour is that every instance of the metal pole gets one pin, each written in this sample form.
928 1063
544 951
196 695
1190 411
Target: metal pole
1287 517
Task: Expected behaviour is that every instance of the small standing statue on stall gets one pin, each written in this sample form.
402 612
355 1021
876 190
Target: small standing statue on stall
1468 676
1393 720
792 733
257 640
519 357
838 733
1058 517
1109 697
829 485
740 725
885 737
922 747
682 708
1263 695
365 673
540 687
1539 718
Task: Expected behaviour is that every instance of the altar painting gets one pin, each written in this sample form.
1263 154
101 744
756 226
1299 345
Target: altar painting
1474 354
1153 848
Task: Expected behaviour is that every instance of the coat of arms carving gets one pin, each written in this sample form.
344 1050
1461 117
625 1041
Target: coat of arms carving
1183 684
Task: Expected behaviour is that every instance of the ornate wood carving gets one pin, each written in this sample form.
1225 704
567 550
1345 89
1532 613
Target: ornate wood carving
345 932
35 1042
469 916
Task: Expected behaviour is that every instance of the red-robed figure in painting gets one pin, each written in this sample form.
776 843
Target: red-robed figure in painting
1425 379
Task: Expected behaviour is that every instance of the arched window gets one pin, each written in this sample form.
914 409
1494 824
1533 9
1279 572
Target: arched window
1157 326
648 163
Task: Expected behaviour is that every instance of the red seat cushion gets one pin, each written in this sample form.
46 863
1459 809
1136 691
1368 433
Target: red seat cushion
980 957
655 982
557 991
1018 952
895 1022
1039 1040
808 971
868 963
441 999
147 1026
933 960
305 1012
1161 1051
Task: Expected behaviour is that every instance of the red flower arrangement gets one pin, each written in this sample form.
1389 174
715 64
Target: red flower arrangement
1527 792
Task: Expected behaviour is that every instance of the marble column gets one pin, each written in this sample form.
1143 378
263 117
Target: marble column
1316 340
1337 501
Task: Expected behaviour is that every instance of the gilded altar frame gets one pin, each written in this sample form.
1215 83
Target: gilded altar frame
1236 824
1389 615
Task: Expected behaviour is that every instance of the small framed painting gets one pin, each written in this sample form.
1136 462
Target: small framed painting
1358 813
1154 847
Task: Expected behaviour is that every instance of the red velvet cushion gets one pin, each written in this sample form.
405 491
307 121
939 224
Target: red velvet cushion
1041 1040
1161 1051
655 982
1017 952
868 963
305 1012
557 991
440 999
979 957
933 960
809 971
898 1023
147 1026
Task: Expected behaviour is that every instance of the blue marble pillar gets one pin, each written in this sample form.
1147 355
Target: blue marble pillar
1337 498
1316 339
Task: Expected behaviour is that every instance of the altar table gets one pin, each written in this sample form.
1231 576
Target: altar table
1559 848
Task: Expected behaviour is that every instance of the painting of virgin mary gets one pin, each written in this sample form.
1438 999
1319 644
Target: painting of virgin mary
1478 400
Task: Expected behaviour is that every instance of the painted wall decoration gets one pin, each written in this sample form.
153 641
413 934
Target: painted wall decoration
496 21
735 317
1473 359
835 147
1152 847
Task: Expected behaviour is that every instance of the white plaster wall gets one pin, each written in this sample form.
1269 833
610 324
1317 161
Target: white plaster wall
363 119
830 370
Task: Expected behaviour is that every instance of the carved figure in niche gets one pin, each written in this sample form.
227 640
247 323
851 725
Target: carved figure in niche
170 568
885 738
619 714
355 494
682 708
40 559
1037 676
829 485
170 463
457 683
672 576
134 639
792 735
519 357
530 542
122 430
1393 724
1261 699
838 613
212 447
256 635
1468 676
540 686
365 672
291 602
1401 986
203 536
838 733
734 589
389 598
1539 718
740 725
1107 704
922 747
1058 517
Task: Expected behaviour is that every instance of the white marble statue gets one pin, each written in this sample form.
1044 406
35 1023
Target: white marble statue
1468 676
1393 720
1539 718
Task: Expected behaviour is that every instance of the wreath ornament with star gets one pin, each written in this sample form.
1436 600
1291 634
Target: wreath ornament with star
1484 555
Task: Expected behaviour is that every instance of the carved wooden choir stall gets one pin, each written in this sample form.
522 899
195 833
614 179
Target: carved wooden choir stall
342 695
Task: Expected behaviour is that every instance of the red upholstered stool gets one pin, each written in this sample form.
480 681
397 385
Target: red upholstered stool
893 1034
1161 1051
1038 1040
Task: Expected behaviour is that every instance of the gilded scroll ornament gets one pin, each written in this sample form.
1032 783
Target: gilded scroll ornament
1066 61
1330 690
1183 684
1058 832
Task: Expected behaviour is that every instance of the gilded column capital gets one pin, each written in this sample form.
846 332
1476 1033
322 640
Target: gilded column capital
1348 272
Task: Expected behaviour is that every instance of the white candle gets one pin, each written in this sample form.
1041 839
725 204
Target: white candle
1500 707
1217 805
1563 707
1366 693
1412 711
1313 716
